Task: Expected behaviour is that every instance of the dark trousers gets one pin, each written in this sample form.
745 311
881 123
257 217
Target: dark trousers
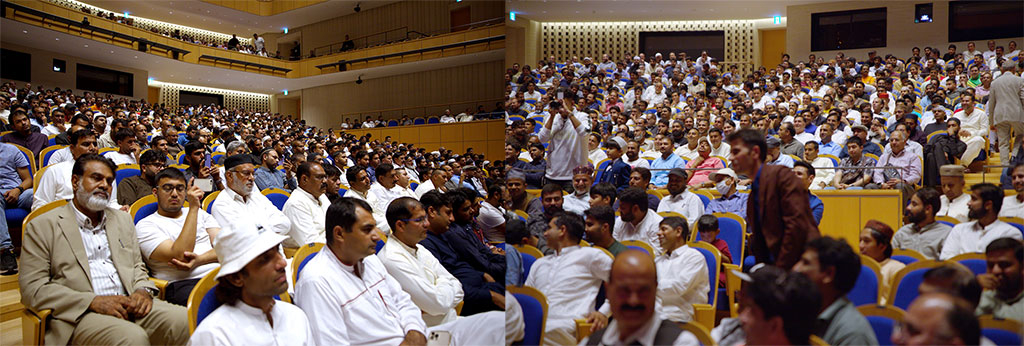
177 292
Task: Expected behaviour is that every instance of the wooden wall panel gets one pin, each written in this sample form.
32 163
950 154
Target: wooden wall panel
434 136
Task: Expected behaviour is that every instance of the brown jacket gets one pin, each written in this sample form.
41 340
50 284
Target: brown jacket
55 267
786 222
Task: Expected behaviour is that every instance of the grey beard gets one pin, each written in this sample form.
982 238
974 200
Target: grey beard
91 201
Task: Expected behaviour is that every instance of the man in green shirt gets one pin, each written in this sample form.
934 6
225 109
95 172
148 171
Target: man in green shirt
600 221
1003 284
133 188
834 266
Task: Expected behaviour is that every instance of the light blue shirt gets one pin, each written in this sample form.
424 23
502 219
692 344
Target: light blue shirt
12 159
660 178
830 148
783 160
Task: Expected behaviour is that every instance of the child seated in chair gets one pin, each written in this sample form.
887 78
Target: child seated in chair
707 227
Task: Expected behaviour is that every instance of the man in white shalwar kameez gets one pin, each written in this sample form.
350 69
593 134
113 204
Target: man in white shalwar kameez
570 279
350 299
252 274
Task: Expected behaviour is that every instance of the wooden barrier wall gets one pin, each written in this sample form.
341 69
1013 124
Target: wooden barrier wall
486 137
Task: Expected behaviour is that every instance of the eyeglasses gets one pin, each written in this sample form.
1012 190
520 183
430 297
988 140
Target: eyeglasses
245 173
416 220
167 188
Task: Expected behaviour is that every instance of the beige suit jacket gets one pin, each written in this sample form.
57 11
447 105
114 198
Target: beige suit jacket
55 267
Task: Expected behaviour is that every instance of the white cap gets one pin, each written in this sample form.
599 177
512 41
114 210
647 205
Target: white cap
724 171
237 246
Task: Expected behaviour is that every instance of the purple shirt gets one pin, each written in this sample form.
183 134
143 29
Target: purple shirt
35 141
911 174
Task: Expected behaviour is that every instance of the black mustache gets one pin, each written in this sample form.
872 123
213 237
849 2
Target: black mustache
633 307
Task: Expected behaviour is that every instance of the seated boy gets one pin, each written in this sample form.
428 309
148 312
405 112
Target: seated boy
707 227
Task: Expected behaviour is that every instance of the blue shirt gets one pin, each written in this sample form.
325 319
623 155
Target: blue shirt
660 178
830 148
783 160
10 160
736 204
514 273
817 208
273 178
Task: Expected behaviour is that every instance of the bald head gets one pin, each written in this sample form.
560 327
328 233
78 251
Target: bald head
939 319
632 289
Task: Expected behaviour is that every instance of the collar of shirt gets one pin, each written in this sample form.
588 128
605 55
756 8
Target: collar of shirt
566 250
676 252
302 192
85 223
831 311
643 336
254 311
235 196
978 227
407 248
356 269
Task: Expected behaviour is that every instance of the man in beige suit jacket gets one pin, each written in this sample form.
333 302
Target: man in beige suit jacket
100 295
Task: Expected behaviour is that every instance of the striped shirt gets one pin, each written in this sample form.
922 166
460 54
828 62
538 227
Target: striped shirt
102 274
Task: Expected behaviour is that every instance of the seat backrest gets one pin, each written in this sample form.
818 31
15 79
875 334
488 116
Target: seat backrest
142 208
535 312
974 261
433 120
278 199
392 123
639 245
907 256
528 260
703 198
868 286
380 245
46 153
29 156
702 334
906 282
418 121
208 201
1016 222
732 229
882 320
1000 331
125 172
302 257
713 259
947 220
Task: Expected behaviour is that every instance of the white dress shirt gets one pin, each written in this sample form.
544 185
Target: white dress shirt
639 162
822 175
231 210
685 152
575 203
432 288
643 336
56 185
646 230
60 155
976 123
687 204
102 273
682 282
120 159
403 191
491 217
155 229
307 217
384 196
568 148
1012 207
349 309
958 209
596 156
371 199
723 150
423 188
242 324
570 279
970 237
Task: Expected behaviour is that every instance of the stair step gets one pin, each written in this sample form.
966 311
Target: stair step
10 305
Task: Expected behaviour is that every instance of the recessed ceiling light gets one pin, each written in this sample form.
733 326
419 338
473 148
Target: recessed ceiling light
111 52
86 46
136 56
24 31
57 38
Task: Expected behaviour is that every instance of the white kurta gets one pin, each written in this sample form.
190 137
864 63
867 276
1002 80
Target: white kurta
822 175
970 237
687 204
56 185
232 211
644 336
1012 207
570 279
423 188
432 288
682 282
119 158
491 217
958 209
307 217
384 196
241 324
646 230
576 204
345 309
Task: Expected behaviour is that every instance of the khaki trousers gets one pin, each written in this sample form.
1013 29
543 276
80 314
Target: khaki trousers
166 324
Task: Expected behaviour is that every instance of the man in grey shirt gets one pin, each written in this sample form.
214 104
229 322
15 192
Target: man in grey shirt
839 322
921 233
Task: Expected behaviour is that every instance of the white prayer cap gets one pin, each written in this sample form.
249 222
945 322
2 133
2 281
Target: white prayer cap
237 246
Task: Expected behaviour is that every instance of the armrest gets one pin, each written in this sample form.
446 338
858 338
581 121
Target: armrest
33 325
289 252
458 308
582 328
705 315
160 285
732 285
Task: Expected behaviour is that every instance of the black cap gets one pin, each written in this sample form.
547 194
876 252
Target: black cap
240 159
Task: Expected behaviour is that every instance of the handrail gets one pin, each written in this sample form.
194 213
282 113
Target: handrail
92 29
366 42
246 63
485 22
344 63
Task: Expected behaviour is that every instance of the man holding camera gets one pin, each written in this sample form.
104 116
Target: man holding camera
567 135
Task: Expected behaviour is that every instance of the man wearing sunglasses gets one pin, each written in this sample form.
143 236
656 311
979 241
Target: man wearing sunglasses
135 187
177 241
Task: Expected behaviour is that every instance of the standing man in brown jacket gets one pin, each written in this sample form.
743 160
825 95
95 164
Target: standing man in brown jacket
778 213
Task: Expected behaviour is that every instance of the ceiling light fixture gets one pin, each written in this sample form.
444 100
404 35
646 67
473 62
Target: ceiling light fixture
357 9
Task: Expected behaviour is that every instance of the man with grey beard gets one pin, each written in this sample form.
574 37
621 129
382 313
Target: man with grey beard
82 261
238 204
